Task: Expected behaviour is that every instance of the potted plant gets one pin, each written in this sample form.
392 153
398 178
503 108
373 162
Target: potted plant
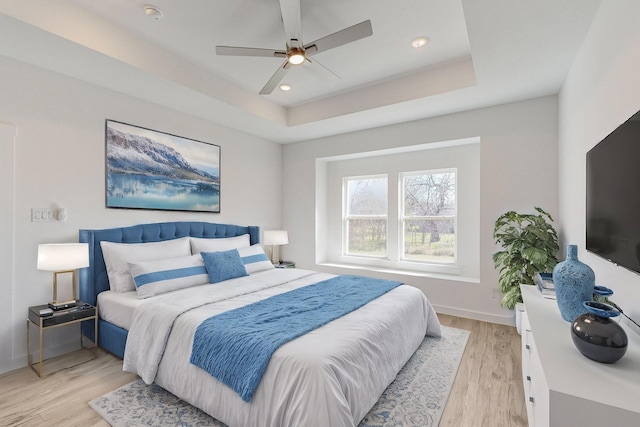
530 245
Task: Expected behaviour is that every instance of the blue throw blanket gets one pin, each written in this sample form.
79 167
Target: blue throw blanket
235 346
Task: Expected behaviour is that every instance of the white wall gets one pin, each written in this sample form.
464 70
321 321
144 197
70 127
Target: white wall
7 190
518 170
60 162
601 91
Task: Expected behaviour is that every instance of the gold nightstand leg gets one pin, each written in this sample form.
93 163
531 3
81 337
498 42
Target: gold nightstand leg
40 368
94 347
28 346
95 335
29 361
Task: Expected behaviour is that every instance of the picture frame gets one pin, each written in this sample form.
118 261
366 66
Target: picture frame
149 169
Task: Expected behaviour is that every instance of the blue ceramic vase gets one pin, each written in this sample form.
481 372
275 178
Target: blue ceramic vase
574 283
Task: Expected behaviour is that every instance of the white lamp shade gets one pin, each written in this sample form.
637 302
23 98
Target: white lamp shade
276 237
63 256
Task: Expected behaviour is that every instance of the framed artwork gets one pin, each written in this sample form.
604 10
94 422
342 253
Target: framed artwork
147 169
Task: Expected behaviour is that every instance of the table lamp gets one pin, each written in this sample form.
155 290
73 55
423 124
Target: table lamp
63 258
275 238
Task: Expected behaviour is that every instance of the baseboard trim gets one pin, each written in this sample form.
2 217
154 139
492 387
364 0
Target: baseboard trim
508 320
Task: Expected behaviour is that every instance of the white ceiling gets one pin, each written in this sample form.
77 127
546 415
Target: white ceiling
482 53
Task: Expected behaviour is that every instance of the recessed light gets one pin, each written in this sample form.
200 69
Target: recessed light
152 11
420 41
286 87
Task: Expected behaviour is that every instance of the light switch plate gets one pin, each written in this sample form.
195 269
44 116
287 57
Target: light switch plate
43 215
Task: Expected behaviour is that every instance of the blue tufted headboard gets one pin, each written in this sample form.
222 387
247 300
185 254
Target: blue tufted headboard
94 280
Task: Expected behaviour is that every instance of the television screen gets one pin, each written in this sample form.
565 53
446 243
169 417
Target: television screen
613 196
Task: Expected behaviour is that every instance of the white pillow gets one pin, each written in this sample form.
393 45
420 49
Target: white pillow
199 244
166 275
118 255
254 259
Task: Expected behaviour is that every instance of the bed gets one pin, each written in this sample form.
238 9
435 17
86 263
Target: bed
330 376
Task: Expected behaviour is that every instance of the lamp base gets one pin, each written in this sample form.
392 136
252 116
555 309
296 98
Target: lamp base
63 305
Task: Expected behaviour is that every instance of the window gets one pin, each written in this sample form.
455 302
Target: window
414 211
428 216
365 216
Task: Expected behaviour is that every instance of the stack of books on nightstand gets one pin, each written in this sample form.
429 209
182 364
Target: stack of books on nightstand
544 282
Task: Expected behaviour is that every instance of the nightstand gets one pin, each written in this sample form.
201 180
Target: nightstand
285 264
80 313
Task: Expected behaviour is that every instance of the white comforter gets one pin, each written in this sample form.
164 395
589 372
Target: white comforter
331 376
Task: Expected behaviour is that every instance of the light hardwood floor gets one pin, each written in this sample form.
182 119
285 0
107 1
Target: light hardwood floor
487 390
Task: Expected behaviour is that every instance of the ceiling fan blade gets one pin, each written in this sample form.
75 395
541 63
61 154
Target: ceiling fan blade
249 51
290 11
275 79
322 71
348 35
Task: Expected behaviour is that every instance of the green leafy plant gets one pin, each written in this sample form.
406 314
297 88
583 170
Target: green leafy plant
530 245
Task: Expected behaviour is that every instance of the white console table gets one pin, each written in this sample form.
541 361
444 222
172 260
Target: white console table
562 387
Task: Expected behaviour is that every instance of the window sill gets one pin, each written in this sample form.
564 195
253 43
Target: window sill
405 265
411 273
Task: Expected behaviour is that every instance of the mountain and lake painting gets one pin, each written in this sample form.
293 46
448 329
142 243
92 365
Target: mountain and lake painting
147 169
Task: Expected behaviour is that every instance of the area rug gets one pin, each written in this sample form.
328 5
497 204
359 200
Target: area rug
416 398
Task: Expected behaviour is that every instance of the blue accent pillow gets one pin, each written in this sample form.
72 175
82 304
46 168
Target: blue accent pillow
223 265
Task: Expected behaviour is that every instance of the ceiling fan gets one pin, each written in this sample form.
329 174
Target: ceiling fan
297 53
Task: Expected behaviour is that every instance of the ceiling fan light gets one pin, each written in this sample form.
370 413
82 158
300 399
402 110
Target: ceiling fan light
418 42
296 57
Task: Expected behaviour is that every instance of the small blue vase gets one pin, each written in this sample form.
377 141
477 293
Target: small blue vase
574 283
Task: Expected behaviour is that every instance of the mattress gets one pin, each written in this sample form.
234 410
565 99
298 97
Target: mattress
118 307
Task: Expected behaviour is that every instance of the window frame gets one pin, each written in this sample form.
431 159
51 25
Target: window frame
394 257
462 154
402 218
346 217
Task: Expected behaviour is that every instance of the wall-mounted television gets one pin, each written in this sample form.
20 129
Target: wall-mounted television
613 196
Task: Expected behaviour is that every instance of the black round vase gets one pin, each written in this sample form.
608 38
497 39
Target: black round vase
597 336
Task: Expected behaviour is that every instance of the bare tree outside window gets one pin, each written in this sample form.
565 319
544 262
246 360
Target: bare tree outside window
366 216
429 216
